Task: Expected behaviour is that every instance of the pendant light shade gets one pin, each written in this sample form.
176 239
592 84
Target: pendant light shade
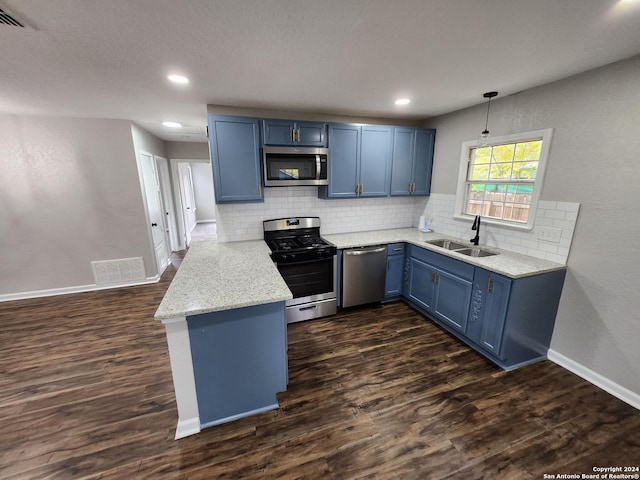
484 136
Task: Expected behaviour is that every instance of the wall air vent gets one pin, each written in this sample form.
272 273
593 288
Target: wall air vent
8 19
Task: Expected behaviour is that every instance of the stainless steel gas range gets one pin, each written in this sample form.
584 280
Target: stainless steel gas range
307 262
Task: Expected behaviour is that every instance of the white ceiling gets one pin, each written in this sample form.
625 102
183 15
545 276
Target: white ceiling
110 58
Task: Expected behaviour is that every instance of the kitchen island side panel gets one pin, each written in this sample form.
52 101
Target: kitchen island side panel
239 361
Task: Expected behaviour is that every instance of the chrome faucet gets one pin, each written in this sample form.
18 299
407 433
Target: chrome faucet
476 227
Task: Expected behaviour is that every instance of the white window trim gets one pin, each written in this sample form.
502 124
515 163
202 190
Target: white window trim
545 135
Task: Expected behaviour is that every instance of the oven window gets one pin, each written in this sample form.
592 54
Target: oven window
308 278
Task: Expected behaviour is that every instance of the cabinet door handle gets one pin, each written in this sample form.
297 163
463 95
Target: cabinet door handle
489 285
259 190
361 188
388 265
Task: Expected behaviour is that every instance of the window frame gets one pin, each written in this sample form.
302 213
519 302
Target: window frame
545 135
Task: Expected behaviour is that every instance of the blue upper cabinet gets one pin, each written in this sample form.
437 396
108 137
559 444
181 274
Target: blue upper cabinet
344 155
290 132
235 157
412 161
360 161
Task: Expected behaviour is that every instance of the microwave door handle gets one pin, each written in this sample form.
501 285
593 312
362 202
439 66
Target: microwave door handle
318 167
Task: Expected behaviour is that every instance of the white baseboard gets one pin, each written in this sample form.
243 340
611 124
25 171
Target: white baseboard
187 427
595 378
9 297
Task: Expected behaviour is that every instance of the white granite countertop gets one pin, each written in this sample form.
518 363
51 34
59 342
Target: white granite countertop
507 263
222 276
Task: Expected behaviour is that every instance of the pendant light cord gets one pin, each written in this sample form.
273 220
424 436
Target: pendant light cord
486 123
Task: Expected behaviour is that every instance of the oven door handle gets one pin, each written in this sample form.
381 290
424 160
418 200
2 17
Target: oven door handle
315 260
312 307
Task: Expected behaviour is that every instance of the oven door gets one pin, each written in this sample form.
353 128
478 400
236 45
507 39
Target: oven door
310 281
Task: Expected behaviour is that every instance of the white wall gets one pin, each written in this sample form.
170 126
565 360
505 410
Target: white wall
69 195
593 161
194 150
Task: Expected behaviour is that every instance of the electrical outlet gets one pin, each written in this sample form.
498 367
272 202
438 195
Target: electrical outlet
549 234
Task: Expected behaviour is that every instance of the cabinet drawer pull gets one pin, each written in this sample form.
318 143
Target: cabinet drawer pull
398 249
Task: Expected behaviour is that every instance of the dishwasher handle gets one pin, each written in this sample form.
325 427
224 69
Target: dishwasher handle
365 251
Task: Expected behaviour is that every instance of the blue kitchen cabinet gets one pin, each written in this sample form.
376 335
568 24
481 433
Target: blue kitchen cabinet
420 285
291 132
239 361
344 155
360 161
395 271
234 144
508 320
488 312
412 161
440 285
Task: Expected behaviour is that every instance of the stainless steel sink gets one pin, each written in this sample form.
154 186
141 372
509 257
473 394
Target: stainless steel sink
476 252
448 244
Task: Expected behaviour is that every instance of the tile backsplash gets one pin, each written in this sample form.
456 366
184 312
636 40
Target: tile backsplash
244 221
561 217
237 222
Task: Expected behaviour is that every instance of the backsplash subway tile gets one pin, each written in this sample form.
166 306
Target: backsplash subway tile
244 221
560 217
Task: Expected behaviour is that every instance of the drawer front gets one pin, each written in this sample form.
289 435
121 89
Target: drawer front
395 249
451 265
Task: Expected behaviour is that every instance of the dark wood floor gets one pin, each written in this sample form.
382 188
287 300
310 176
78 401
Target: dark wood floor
86 392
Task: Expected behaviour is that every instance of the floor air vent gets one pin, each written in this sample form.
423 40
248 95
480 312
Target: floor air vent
8 19
114 272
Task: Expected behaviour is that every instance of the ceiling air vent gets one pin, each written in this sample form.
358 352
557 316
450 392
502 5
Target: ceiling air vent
8 19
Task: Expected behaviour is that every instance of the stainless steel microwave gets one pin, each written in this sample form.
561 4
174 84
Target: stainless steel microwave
295 166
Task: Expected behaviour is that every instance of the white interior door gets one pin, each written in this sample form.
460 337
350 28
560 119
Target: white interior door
155 210
187 200
162 167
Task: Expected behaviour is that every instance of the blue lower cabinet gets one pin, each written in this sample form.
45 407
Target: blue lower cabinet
395 271
489 303
239 361
420 286
453 295
510 321
441 286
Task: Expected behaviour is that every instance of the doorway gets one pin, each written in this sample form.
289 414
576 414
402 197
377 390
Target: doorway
195 200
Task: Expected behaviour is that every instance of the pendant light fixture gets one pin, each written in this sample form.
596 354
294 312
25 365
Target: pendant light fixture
484 136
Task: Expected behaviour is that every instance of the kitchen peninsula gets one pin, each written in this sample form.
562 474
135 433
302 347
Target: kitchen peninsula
226 330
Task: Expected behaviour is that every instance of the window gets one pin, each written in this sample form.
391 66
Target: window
501 180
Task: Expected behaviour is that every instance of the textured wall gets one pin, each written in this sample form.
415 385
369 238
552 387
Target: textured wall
69 195
593 161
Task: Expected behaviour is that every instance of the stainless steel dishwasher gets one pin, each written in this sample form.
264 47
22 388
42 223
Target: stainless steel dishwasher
363 275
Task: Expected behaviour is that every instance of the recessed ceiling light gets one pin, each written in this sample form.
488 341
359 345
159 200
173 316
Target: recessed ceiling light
172 124
178 79
403 101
